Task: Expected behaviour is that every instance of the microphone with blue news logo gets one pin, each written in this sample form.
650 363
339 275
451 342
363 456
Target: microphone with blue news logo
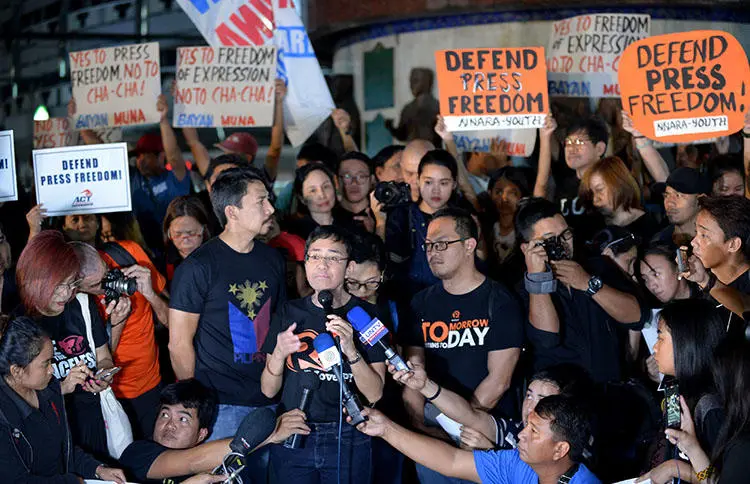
371 332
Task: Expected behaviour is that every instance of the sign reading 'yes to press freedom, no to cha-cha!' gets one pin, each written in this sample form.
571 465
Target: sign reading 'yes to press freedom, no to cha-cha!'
83 179
225 86
116 86
687 86
492 89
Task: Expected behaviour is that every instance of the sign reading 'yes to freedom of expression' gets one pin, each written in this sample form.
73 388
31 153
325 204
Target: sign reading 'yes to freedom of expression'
492 88
584 52
686 86
225 86
116 86
83 179
8 191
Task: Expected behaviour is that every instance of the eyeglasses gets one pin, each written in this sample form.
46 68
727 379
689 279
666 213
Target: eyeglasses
439 246
323 259
353 285
187 234
566 235
349 178
68 287
576 141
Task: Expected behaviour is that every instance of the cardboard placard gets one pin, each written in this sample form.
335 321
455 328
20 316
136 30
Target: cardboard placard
116 86
583 54
521 142
686 86
83 179
53 133
225 86
8 185
492 89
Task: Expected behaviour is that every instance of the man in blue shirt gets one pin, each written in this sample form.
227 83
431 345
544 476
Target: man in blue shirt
550 447
154 185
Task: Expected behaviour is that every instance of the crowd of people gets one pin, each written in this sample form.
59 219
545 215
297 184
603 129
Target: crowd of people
573 317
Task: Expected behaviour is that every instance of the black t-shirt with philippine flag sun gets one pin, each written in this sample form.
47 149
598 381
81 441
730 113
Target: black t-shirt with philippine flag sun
304 365
458 331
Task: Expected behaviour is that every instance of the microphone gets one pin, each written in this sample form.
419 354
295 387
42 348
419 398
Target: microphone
371 333
331 359
325 298
253 431
310 383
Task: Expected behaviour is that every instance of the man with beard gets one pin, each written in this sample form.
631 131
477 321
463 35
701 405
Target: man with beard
467 331
684 187
223 297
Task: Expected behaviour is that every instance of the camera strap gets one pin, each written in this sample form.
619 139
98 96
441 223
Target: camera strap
566 478
119 254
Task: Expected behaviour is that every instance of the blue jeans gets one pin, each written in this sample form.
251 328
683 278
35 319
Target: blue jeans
228 419
388 463
428 476
316 461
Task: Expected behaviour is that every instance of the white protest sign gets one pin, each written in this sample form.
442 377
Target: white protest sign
83 179
520 142
308 101
8 191
53 133
225 86
109 135
584 52
116 86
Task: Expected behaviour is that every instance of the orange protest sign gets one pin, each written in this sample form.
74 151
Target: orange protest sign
686 86
492 88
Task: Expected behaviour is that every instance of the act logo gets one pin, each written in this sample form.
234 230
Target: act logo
83 199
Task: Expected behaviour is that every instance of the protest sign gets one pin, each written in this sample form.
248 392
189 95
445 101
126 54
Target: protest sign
53 133
308 101
83 179
109 135
482 89
584 52
225 86
8 190
520 142
687 86
116 86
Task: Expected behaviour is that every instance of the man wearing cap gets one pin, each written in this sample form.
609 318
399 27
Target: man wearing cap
153 186
684 187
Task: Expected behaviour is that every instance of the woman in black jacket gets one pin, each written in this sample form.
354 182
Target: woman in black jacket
35 444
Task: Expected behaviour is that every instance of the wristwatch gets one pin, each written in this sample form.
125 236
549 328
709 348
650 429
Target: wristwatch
594 285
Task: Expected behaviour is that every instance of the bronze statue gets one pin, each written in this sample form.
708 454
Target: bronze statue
418 118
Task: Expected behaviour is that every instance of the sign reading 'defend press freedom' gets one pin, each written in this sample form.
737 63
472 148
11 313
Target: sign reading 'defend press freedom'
583 55
492 88
687 86
225 86
8 191
83 179
116 86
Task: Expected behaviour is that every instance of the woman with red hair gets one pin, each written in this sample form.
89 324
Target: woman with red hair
48 277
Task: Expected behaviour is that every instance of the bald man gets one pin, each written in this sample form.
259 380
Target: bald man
413 154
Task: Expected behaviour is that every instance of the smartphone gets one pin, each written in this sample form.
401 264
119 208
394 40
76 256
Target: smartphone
672 407
106 373
682 259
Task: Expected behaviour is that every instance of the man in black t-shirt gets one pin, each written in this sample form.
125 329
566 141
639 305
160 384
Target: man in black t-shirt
467 330
585 144
720 263
178 448
575 314
222 300
293 364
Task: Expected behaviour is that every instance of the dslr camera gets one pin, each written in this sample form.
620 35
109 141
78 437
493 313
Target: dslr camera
115 284
555 248
392 194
